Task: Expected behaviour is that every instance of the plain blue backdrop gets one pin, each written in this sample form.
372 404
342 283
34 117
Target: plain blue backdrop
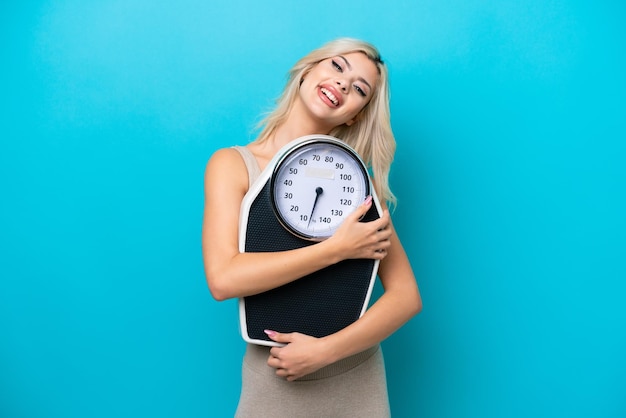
510 118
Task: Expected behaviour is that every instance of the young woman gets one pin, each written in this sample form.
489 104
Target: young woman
340 89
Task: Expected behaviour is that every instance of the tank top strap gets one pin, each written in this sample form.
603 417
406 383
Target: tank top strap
251 164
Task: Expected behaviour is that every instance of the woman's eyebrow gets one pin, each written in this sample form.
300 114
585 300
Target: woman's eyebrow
346 61
350 68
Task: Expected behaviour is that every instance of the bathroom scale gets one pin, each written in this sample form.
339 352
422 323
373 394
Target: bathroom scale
300 199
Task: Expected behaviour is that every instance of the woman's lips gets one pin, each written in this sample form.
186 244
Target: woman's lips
331 96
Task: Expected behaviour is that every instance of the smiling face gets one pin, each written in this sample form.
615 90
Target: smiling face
335 90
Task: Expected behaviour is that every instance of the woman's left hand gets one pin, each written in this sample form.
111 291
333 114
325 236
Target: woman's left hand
302 355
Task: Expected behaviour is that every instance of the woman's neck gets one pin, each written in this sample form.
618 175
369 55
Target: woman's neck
282 135
298 124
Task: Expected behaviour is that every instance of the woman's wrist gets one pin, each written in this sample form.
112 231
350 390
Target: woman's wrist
331 252
329 350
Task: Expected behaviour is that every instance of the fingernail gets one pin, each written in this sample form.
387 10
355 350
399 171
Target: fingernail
269 333
368 200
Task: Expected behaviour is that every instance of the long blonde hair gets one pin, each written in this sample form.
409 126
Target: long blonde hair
371 135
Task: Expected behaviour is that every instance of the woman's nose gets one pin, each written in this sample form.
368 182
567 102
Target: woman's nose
342 85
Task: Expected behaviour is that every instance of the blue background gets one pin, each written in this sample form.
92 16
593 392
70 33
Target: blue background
510 118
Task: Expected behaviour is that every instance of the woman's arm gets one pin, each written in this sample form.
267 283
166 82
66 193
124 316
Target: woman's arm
230 273
400 301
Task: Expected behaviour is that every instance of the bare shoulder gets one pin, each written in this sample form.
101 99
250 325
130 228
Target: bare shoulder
226 166
225 157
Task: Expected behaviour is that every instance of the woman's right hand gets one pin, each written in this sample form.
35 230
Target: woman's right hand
355 239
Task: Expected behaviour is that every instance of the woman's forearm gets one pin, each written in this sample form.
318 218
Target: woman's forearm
247 274
388 314
400 301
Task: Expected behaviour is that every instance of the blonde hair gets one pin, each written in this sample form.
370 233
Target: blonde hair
371 135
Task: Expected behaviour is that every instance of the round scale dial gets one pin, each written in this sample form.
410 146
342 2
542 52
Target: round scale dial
316 185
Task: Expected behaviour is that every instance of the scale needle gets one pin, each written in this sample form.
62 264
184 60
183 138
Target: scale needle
318 192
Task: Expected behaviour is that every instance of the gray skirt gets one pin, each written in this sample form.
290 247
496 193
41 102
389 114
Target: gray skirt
353 387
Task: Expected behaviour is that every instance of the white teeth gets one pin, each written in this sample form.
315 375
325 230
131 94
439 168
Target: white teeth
330 96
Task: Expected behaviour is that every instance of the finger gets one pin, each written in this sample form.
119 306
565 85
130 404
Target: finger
278 337
382 248
384 244
383 222
284 373
281 372
362 209
380 253
384 235
274 362
275 351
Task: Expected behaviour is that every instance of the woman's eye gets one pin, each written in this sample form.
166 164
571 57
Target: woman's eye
360 91
337 66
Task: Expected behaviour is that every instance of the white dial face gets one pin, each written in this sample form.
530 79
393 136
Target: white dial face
316 186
